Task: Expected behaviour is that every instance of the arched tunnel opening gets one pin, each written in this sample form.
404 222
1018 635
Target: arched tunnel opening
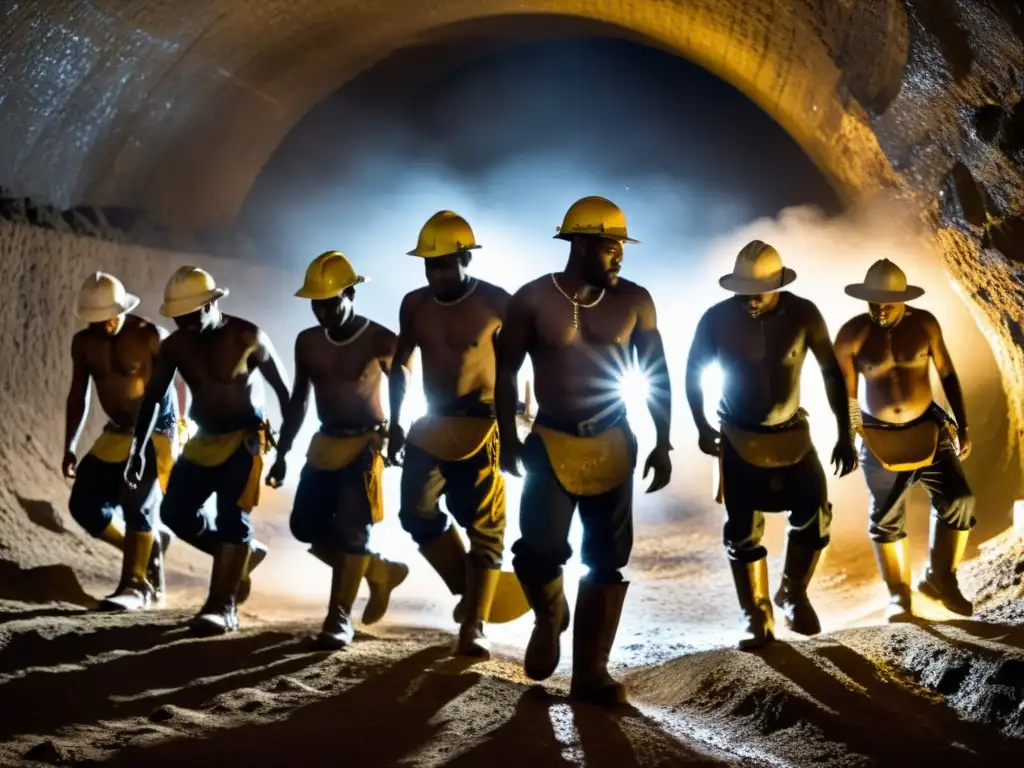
840 135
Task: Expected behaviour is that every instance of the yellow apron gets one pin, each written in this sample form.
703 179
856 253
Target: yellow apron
771 450
904 450
588 466
213 450
331 453
114 447
451 438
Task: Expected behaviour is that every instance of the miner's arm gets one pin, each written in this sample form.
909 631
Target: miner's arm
78 395
702 353
836 383
650 352
297 405
401 362
513 342
270 366
947 373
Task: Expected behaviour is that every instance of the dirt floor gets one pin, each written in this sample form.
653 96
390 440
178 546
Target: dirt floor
80 688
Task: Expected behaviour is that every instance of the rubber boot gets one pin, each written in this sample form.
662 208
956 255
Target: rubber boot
751 581
337 631
792 597
257 554
113 534
551 619
220 613
155 572
382 576
598 609
134 592
447 556
893 558
940 582
480 586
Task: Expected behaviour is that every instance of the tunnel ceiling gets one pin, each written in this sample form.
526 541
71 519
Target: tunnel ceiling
173 107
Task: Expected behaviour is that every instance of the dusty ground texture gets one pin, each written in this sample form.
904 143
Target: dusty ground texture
138 690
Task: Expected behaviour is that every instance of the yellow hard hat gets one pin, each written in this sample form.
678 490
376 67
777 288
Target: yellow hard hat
444 233
102 297
328 276
595 216
189 289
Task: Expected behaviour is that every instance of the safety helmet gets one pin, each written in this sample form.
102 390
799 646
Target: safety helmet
103 297
328 276
189 289
594 216
444 233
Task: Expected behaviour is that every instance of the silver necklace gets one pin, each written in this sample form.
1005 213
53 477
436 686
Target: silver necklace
463 297
350 339
575 301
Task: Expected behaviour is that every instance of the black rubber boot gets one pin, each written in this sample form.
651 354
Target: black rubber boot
792 597
551 619
751 580
598 609
893 558
348 572
939 581
480 586
219 615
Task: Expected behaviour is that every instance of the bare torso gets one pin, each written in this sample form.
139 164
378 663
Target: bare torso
576 370
219 366
894 363
120 366
761 358
456 342
346 377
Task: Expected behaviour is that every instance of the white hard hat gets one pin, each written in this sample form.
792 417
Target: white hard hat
189 289
103 297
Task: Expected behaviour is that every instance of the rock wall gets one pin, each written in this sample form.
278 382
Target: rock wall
43 270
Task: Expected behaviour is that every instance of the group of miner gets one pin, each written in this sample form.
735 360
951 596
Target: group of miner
147 479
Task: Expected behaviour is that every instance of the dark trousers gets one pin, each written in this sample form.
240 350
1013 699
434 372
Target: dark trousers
100 489
332 507
474 492
188 490
750 491
943 479
545 516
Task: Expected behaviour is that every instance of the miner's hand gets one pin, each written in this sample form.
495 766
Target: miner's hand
275 477
396 445
965 444
844 457
69 466
709 441
510 456
133 469
659 461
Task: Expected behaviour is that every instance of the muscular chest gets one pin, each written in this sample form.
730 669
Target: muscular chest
900 348
329 363
606 324
774 339
124 356
219 359
456 329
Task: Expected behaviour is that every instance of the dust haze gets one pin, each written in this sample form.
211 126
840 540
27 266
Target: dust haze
512 142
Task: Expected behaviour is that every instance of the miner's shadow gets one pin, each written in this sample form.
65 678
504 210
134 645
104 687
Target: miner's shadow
176 668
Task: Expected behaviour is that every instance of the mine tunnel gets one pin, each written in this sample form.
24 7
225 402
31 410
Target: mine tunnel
247 138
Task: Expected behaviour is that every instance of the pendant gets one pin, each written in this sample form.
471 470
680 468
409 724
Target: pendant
575 312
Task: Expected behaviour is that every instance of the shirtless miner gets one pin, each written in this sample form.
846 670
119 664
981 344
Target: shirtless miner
907 438
767 462
453 450
218 356
580 328
339 496
117 352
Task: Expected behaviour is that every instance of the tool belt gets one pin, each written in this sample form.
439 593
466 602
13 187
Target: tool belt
207 449
114 445
910 446
770 447
591 457
334 449
455 431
